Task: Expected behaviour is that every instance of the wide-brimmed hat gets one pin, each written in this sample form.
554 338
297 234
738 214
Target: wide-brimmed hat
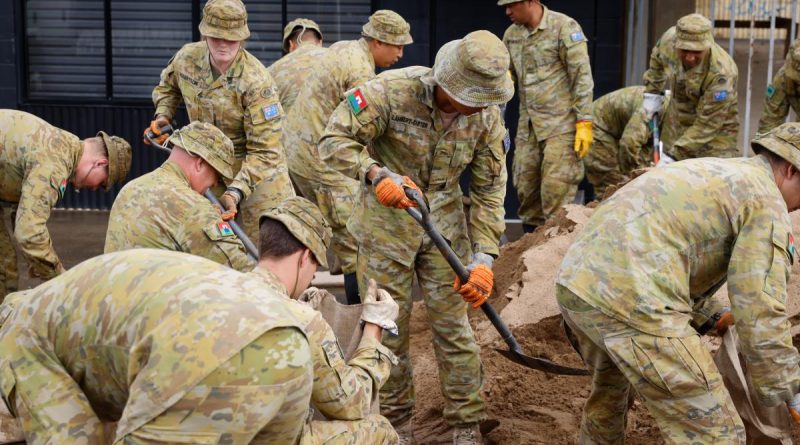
388 27
305 24
119 158
783 140
304 220
694 33
474 70
208 142
225 19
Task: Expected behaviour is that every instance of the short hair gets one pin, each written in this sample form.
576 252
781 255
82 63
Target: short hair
276 241
97 146
299 29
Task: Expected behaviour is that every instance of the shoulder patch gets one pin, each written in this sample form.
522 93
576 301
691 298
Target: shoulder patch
60 187
577 36
720 95
357 101
271 111
770 91
791 248
224 229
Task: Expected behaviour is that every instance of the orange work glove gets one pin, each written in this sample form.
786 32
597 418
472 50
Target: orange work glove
390 189
155 130
794 408
230 201
481 280
724 322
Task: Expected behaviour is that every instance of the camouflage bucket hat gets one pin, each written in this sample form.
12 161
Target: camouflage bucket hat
306 24
225 19
209 142
304 220
784 141
388 27
119 158
474 70
792 65
507 2
694 33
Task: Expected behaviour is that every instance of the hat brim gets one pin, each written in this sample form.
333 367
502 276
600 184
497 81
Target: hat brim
687 45
783 149
115 170
226 172
236 35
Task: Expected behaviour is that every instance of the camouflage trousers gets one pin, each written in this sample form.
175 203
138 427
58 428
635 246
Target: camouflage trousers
457 353
374 429
722 146
546 174
603 168
237 403
9 275
335 195
676 377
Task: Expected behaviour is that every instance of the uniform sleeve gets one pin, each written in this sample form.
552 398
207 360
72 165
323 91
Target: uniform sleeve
265 158
487 191
575 56
344 391
40 193
635 137
713 108
205 234
757 278
343 144
511 69
776 105
655 78
167 95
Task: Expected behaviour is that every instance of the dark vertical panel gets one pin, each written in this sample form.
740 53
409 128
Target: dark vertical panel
417 14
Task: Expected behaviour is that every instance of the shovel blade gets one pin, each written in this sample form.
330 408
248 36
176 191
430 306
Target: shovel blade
540 364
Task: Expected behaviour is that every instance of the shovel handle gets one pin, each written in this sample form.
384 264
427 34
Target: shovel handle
251 249
422 215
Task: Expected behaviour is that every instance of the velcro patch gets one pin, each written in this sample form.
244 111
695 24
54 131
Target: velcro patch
720 95
357 101
770 91
224 229
577 36
271 111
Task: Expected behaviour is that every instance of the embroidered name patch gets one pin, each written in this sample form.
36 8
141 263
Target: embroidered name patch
224 229
576 36
770 91
357 101
271 111
410 121
720 95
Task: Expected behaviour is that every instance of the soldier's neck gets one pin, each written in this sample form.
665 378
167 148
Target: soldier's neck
536 17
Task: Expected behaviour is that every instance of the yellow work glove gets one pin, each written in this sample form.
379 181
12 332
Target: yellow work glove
583 138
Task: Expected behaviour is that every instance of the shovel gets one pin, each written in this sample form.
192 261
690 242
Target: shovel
514 353
251 249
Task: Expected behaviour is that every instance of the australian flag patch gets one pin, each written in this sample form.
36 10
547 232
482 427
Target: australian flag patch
720 95
357 101
271 111
577 36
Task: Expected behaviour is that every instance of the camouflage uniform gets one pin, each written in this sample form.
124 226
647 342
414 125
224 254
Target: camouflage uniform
346 65
550 67
162 211
393 121
783 92
702 118
634 296
36 162
175 348
291 72
242 102
621 135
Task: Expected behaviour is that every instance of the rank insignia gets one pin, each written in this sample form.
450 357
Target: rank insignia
271 111
224 229
357 101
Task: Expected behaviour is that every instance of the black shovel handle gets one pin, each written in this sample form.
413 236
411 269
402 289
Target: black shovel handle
251 249
422 215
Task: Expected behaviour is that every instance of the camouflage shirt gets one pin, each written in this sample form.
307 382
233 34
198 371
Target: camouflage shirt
342 391
702 118
243 103
550 67
620 115
291 72
137 331
36 162
160 210
346 65
393 121
687 228
782 93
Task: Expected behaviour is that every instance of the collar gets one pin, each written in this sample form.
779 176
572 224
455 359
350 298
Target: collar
272 280
75 150
364 45
204 64
175 170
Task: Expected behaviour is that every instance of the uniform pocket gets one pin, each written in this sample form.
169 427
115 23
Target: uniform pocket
778 274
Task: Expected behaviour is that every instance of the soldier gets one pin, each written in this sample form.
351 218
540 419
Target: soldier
346 65
302 46
36 162
422 130
294 240
172 347
629 300
702 119
783 92
550 66
223 84
165 209
621 133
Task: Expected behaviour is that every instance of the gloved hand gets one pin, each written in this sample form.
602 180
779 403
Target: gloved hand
794 408
652 104
481 280
155 129
230 201
312 296
379 308
390 189
724 320
583 138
